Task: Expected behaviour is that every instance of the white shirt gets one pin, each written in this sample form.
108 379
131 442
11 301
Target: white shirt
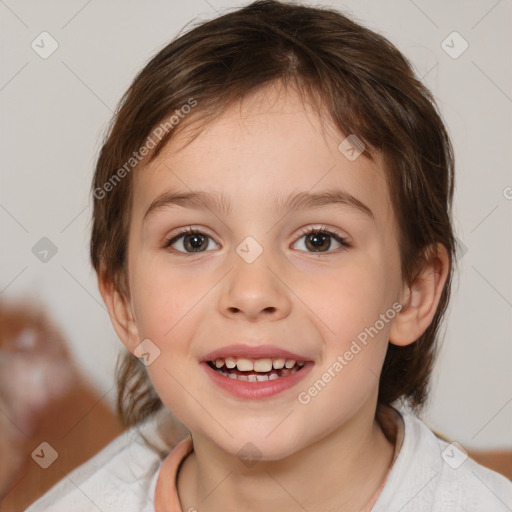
428 474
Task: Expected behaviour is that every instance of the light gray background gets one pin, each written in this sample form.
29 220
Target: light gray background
54 112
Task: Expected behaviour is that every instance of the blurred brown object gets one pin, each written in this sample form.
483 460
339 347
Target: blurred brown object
497 460
43 398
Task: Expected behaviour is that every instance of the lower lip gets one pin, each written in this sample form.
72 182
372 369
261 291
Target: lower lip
257 390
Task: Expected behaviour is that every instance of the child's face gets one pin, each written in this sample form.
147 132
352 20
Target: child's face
313 304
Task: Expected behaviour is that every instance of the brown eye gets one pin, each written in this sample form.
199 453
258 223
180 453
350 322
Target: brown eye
189 242
195 243
320 241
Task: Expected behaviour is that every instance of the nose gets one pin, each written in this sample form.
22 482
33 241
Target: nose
254 291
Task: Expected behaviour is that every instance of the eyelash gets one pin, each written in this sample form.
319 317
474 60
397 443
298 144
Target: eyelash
304 232
324 230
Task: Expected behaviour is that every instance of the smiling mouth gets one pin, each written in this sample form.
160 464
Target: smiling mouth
258 370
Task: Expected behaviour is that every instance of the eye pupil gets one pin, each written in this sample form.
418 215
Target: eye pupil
316 240
195 242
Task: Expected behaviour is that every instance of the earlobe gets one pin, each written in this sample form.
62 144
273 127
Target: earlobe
120 312
421 299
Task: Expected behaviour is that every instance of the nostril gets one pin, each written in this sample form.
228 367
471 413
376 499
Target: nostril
269 309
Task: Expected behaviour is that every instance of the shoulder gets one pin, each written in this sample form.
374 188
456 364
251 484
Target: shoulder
432 474
121 477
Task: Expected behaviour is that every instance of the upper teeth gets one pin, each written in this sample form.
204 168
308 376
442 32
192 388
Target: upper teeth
258 365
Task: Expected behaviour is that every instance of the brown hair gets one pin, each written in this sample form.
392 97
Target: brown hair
367 87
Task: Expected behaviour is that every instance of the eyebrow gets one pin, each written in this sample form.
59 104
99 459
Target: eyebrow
201 200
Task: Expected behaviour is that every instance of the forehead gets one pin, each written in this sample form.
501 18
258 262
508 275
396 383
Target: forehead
269 145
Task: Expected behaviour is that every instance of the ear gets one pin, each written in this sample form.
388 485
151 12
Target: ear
420 299
120 312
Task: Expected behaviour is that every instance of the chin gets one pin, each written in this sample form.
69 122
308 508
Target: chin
253 447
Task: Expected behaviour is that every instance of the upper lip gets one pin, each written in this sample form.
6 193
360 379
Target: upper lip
252 352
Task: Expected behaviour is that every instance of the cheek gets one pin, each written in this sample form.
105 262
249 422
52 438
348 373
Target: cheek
347 301
164 304
162 297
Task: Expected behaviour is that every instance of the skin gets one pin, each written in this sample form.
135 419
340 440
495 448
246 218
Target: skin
330 454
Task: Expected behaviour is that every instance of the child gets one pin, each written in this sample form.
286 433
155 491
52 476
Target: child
272 237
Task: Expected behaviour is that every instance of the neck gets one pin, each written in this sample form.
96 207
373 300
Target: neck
341 471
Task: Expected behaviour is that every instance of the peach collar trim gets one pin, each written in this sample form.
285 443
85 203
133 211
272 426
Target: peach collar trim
166 496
